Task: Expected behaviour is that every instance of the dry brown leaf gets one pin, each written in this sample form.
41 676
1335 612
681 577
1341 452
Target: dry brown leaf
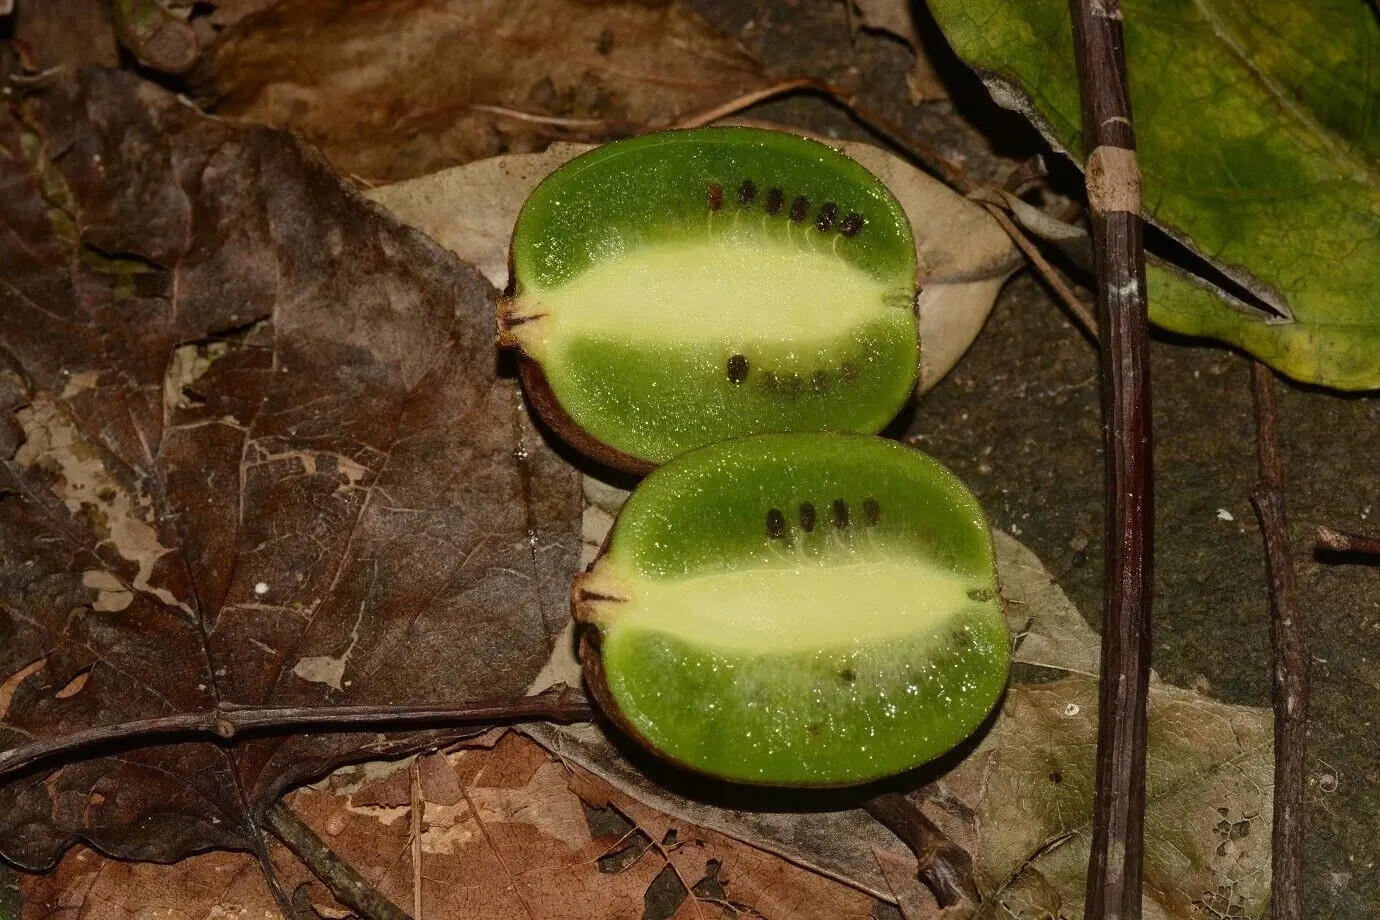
517 842
252 450
964 256
459 80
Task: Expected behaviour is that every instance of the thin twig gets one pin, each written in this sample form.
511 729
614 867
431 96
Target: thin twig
922 152
1291 659
1340 541
1113 185
344 881
560 704
280 894
552 120
414 775
1071 301
944 866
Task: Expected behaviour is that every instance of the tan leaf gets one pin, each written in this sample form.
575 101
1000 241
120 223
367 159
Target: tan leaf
460 80
499 852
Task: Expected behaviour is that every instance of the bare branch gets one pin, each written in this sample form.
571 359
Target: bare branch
561 704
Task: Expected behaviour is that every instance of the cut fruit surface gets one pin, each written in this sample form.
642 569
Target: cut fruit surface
682 288
797 609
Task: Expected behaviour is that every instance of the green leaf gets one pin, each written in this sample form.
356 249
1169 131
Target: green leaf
1258 128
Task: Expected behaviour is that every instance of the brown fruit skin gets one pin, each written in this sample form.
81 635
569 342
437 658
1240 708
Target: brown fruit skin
539 394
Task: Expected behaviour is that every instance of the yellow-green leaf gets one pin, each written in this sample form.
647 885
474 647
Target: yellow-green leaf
1258 128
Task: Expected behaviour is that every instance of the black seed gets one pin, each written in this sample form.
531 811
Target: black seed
775 199
794 383
872 510
605 42
982 595
827 212
813 728
819 382
747 192
737 368
807 517
799 208
1056 777
769 380
847 675
716 196
776 524
851 224
840 508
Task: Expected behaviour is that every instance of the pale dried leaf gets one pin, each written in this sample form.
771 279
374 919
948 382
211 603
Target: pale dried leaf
1208 802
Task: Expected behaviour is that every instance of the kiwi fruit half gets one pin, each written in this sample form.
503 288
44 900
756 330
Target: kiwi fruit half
796 610
686 287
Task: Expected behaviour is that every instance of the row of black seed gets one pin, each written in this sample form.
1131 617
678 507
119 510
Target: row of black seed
800 207
776 518
737 372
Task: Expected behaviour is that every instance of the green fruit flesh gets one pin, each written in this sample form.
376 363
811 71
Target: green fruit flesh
669 309
799 610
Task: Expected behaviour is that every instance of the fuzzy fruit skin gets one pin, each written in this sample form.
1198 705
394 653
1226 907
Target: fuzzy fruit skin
670 396
960 680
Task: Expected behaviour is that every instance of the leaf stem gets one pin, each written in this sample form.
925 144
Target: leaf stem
344 881
560 704
944 866
1113 183
1291 659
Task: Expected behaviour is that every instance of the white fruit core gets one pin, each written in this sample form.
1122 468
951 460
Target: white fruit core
741 287
796 608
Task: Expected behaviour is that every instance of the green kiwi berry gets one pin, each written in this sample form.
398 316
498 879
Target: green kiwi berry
796 610
685 287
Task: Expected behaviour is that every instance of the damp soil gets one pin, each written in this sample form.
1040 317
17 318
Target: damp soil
1020 421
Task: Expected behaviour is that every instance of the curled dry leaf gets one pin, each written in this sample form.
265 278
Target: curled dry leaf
1019 799
964 255
459 80
252 450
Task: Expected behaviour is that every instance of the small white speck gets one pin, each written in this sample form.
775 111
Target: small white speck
261 588
1224 515
1015 530
1072 709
